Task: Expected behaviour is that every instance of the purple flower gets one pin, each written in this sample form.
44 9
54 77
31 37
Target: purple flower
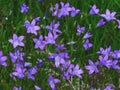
87 35
105 61
31 72
74 11
19 71
13 57
94 10
66 64
59 60
118 21
24 8
27 64
52 81
108 87
50 39
77 72
65 9
3 59
66 69
92 67
114 64
109 16
40 62
55 10
105 52
87 45
39 43
17 88
69 72
64 55
16 41
116 54
17 55
80 30
35 20
101 22
31 28
60 47
54 27
37 88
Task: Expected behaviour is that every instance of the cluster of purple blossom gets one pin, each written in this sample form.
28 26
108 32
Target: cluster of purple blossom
107 16
87 35
107 58
61 58
64 10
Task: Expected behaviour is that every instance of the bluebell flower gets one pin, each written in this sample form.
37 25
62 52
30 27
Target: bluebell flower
24 8
52 81
17 41
94 10
92 67
109 16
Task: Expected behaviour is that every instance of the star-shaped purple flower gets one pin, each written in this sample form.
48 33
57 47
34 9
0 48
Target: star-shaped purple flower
92 67
80 30
87 45
17 55
52 81
87 35
116 54
39 43
65 9
101 22
74 11
19 71
31 27
114 64
16 41
50 39
17 88
64 55
31 72
94 10
105 52
59 60
109 16
24 8
53 27
3 59
104 61
77 72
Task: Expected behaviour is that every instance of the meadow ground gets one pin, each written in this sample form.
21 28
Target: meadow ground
12 21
